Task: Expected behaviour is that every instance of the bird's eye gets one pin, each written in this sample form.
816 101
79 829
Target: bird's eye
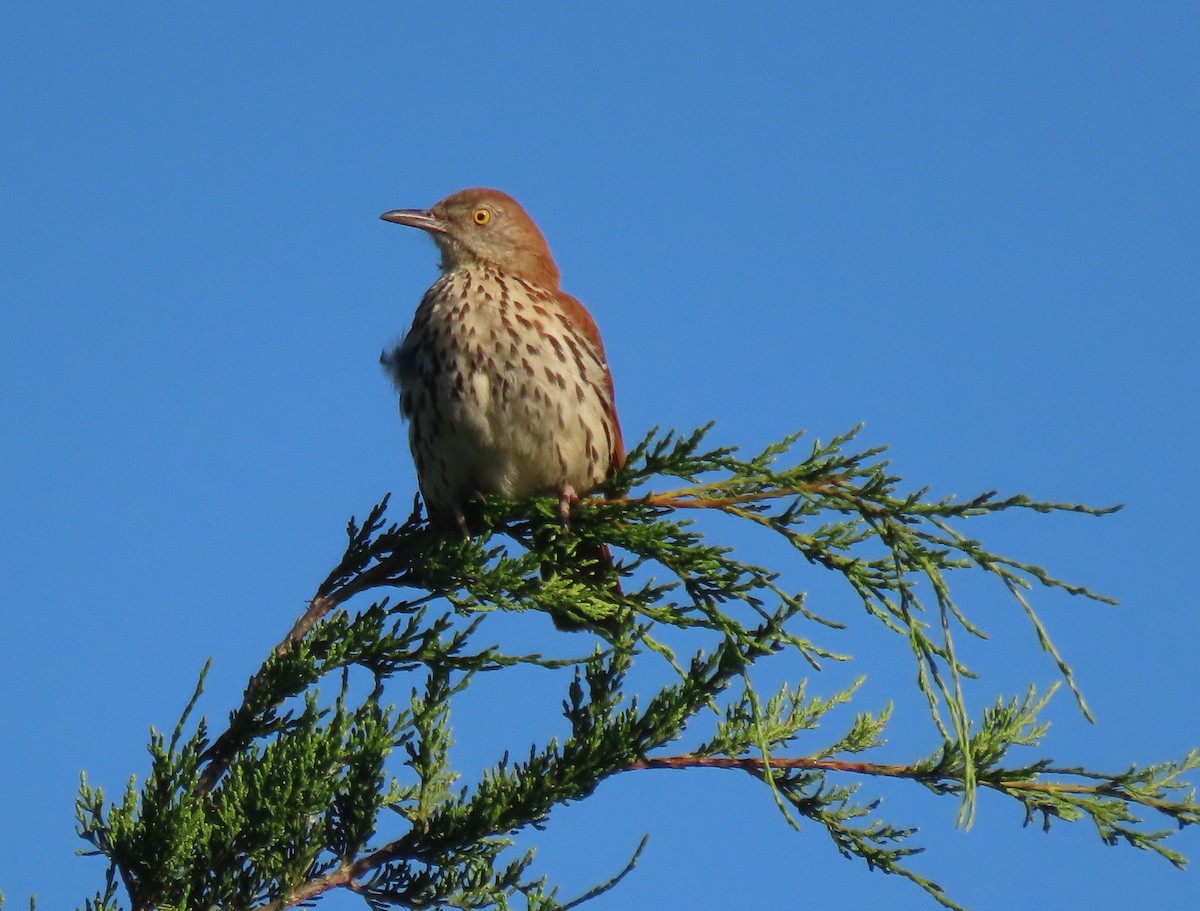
482 216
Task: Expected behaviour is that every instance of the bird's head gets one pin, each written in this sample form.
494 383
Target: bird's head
484 226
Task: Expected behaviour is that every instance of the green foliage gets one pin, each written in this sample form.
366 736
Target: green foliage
337 771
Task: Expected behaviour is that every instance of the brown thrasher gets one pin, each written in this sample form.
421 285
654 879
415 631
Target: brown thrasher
502 376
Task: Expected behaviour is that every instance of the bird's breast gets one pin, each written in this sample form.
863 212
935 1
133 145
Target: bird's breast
495 379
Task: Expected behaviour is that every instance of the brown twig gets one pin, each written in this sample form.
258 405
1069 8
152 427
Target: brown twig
760 767
681 499
1007 786
341 878
330 594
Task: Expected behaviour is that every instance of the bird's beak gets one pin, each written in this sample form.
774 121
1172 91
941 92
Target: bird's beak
416 218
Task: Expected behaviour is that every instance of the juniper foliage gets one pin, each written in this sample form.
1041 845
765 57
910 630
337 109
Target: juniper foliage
321 781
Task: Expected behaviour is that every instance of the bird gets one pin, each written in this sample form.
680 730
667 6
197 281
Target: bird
502 377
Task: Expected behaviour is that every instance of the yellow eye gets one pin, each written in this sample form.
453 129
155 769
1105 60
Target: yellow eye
482 216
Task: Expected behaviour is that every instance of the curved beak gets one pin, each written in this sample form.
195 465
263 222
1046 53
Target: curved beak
416 218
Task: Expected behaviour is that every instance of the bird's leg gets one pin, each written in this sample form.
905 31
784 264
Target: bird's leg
461 521
473 504
567 500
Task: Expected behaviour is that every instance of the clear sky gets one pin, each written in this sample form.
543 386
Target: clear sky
976 230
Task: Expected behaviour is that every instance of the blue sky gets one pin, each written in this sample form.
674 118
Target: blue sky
978 231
